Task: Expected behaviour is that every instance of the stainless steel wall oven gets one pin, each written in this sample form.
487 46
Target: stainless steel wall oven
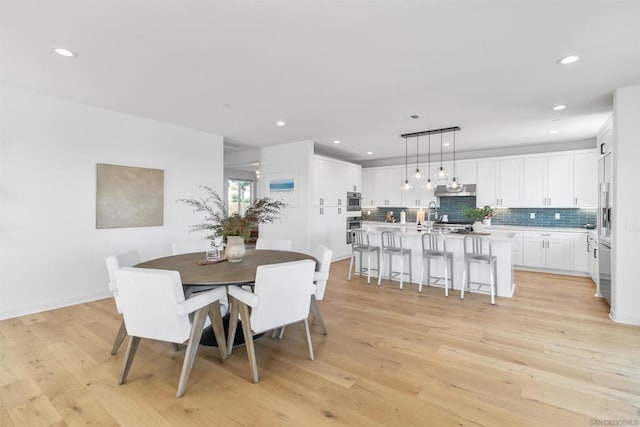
353 223
354 201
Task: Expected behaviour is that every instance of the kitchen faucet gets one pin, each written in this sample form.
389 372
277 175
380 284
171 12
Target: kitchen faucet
429 210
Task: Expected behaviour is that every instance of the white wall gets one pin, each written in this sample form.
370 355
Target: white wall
51 253
295 159
625 299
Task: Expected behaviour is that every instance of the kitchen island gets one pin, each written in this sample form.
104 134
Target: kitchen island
412 239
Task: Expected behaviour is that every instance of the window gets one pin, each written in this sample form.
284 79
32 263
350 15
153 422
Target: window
239 193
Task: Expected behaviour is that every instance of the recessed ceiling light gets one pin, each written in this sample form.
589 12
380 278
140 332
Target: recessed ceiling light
280 123
553 132
446 144
568 59
559 107
336 142
64 52
369 152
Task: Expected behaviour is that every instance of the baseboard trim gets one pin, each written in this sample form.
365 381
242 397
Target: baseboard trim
52 305
625 318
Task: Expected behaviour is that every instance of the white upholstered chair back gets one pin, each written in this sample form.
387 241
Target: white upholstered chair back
274 244
149 299
113 263
284 294
179 248
323 255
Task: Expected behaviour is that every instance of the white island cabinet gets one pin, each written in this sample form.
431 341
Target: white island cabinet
412 238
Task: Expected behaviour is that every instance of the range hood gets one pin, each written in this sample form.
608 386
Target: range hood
467 190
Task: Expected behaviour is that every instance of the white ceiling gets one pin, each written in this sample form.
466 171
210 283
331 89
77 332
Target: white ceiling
343 70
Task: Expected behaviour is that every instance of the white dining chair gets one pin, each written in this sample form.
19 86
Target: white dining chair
320 278
154 307
113 263
281 296
274 244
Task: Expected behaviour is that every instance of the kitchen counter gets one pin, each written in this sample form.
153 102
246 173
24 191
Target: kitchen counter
501 242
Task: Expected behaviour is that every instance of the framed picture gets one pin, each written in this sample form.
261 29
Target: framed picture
129 196
284 187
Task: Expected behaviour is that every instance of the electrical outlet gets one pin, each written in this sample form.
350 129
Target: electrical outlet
532 215
557 216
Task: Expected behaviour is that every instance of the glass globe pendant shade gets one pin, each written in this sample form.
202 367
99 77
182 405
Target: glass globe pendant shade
418 178
441 174
406 185
454 186
429 185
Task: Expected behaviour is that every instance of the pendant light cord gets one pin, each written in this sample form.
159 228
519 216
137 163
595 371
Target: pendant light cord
417 145
440 150
429 156
454 155
406 161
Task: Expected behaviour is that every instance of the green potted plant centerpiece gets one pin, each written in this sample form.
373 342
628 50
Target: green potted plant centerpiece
234 228
483 214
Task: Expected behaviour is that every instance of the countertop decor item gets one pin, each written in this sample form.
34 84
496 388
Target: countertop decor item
219 222
477 214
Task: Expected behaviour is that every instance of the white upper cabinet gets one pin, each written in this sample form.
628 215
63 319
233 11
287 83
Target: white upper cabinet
499 183
419 196
585 180
465 170
332 179
368 188
548 181
605 137
387 183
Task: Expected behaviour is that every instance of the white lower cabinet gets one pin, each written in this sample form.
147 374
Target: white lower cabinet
581 254
517 253
548 249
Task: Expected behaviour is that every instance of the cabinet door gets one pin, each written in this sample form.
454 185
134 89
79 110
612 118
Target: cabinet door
354 178
534 177
510 182
321 171
560 181
534 251
486 184
368 187
323 221
585 180
559 253
581 255
387 187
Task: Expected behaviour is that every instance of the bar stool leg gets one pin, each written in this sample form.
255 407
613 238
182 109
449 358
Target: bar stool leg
351 265
492 281
410 267
368 268
464 280
446 275
381 267
422 273
401 269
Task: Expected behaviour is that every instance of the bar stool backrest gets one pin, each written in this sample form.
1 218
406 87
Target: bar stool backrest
430 243
391 239
475 245
360 238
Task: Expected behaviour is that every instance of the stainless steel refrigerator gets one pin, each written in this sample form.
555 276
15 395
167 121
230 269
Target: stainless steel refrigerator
605 178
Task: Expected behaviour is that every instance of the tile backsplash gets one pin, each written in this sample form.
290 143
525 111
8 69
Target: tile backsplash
451 206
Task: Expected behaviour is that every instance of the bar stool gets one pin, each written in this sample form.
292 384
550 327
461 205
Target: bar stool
360 243
392 245
431 251
475 253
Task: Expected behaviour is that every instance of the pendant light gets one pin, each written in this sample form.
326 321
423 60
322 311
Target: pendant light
418 178
429 184
441 174
406 185
454 186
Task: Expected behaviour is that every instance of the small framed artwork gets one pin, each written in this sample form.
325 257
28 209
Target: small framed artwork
284 187
129 196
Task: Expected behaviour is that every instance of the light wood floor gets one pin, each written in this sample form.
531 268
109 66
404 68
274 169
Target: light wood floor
550 356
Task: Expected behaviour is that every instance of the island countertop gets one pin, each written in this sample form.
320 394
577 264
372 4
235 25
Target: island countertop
412 231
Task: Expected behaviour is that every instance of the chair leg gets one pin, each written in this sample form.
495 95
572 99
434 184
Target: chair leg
134 342
492 281
464 282
422 274
192 348
368 266
218 328
351 266
401 269
305 322
446 276
381 267
233 324
248 339
316 313
122 333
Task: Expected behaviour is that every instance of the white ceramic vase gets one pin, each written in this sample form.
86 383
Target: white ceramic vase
235 249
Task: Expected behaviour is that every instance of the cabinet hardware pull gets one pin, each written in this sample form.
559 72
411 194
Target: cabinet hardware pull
595 252
576 201
588 247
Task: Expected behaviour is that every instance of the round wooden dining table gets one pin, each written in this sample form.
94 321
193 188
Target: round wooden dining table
225 272
193 273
